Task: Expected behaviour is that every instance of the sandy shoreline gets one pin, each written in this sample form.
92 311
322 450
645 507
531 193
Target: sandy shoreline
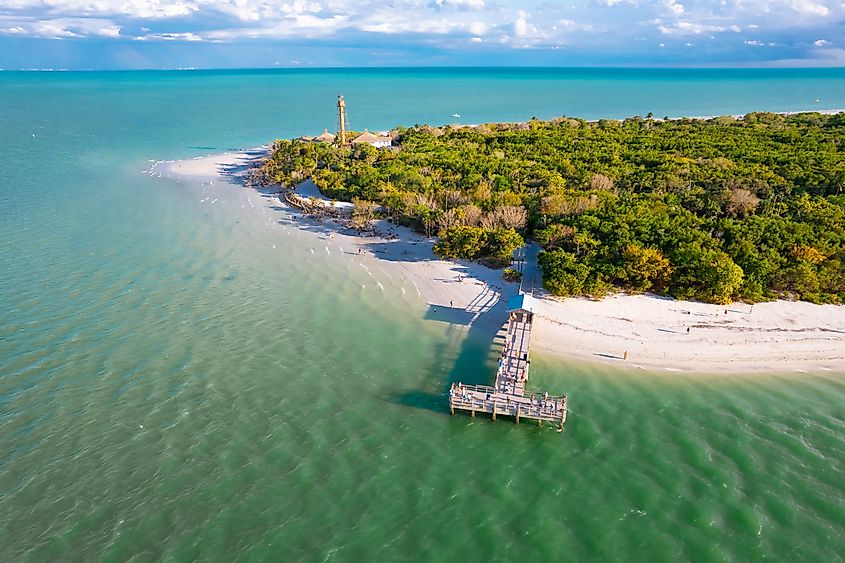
657 333
664 334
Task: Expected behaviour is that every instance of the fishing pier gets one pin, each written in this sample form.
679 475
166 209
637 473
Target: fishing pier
507 395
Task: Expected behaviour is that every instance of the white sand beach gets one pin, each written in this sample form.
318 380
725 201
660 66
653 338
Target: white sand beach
658 334
664 334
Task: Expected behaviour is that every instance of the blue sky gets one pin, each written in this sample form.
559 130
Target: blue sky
109 34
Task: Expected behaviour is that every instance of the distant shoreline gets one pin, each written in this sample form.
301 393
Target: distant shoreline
676 118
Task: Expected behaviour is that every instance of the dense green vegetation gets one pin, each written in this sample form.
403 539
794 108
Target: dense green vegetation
714 210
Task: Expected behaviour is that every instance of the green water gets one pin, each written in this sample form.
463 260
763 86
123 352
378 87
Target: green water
184 379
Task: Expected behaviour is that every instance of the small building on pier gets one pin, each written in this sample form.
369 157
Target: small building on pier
522 302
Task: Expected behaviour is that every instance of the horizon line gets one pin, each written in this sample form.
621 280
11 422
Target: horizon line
437 67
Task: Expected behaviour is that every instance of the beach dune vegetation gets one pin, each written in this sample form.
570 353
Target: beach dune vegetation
496 246
363 213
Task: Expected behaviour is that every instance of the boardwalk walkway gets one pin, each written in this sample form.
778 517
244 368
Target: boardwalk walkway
513 364
507 396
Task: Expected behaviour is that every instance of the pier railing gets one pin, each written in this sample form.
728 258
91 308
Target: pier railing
484 398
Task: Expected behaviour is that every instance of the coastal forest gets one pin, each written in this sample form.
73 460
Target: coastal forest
749 208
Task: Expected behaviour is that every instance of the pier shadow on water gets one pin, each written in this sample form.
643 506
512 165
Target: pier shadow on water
474 362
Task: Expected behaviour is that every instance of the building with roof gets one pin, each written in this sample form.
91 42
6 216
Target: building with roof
374 140
324 137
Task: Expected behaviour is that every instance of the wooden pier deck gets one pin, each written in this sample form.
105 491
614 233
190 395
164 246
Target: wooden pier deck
507 396
512 372
483 398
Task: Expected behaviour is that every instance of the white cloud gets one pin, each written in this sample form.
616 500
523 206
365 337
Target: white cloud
520 26
689 28
383 23
478 28
810 8
304 26
674 7
169 37
572 25
132 8
821 42
63 28
754 43
470 4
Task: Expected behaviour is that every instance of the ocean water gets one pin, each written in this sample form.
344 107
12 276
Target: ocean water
181 378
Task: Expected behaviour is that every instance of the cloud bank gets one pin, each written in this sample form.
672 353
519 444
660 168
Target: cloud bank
694 32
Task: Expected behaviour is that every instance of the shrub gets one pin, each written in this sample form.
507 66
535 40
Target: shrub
511 275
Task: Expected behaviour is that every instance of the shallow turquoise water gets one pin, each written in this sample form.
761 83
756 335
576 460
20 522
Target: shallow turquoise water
174 387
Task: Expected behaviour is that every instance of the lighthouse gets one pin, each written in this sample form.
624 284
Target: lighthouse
341 119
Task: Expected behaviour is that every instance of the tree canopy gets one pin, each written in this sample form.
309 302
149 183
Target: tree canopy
715 210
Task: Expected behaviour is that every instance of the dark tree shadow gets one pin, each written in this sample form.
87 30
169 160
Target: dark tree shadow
451 315
253 158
